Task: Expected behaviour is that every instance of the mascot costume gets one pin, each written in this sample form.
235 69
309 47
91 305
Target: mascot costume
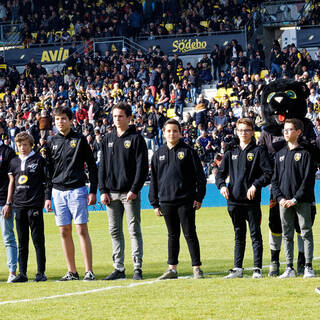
281 100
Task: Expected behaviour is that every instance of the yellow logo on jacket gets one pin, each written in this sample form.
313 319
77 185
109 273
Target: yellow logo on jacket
73 143
22 179
180 155
127 144
297 156
250 156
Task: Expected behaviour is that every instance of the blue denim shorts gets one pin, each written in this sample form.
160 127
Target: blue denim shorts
70 204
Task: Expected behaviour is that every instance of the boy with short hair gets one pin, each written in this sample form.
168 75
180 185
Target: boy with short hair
177 188
67 154
249 169
123 170
293 188
27 179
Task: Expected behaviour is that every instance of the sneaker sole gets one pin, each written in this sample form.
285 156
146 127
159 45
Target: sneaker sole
88 280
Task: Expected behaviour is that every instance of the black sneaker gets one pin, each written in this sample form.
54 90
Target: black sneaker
70 276
40 277
89 276
116 275
20 278
137 275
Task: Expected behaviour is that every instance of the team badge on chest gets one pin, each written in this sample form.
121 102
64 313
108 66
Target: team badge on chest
297 156
73 143
22 179
180 155
127 144
250 156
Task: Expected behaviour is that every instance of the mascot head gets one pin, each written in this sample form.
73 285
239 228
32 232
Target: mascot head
284 99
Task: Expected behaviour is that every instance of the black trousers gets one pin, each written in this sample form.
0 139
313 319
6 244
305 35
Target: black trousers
33 218
239 216
183 215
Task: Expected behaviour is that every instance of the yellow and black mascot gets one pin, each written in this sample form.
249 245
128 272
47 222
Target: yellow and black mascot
281 100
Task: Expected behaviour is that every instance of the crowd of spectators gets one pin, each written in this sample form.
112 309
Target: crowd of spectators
157 88
55 21
312 16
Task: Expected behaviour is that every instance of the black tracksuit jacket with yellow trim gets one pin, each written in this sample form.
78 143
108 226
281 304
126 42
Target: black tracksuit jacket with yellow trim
66 159
245 168
177 176
124 162
294 175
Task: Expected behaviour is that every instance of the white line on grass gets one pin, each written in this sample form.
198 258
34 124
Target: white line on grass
77 293
131 285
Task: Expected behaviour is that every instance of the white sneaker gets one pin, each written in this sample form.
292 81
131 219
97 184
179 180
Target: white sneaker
288 273
234 273
308 272
257 273
11 278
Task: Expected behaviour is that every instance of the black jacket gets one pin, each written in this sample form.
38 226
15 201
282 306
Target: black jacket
124 162
6 155
245 168
67 156
30 182
294 175
177 176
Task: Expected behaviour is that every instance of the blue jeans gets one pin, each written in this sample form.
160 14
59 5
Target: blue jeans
9 241
194 95
275 68
159 138
179 106
151 144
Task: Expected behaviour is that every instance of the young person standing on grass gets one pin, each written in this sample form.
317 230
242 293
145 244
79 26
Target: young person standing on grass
293 188
27 187
123 170
67 154
6 212
249 169
177 188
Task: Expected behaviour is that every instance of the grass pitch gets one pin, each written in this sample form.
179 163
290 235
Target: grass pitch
185 298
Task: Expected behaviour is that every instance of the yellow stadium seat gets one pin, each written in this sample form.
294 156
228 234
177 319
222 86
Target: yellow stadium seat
2 95
229 91
204 24
263 73
169 26
3 66
34 35
221 92
171 113
257 134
